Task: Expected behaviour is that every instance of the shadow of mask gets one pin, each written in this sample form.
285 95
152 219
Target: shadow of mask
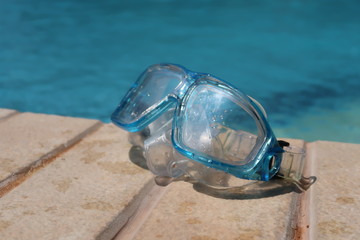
257 189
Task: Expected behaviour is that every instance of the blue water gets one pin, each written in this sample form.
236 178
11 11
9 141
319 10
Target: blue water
299 58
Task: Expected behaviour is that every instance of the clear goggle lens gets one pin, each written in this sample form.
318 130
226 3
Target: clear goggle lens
215 125
151 90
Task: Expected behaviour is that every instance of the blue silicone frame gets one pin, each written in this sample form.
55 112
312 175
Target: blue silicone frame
267 153
163 106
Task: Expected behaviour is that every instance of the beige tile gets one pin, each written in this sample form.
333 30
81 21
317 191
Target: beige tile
88 192
92 190
336 193
184 213
28 139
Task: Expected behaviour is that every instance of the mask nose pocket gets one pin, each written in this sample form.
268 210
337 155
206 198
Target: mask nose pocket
161 157
158 153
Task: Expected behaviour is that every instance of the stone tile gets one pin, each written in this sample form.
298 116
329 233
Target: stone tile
184 213
28 139
6 112
92 190
87 192
336 192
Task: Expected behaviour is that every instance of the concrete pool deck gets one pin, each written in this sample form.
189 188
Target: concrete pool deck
71 178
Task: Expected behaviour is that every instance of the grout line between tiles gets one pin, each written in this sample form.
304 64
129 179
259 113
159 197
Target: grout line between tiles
304 217
10 115
15 179
144 208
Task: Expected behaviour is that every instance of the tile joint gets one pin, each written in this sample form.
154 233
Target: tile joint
302 218
16 178
147 201
128 222
10 115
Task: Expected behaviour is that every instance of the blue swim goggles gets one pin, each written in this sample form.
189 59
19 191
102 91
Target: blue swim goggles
198 124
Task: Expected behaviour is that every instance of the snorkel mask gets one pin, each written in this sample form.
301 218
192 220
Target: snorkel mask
196 127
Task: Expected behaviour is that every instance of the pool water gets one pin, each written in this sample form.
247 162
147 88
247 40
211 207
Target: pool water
299 58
